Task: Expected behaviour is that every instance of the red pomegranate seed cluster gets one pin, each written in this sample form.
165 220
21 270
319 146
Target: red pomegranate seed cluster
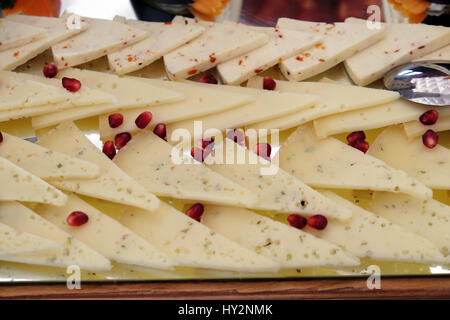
357 140
317 221
1 137
195 211
208 78
263 150
429 117
200 154
160 130
121 139
237 136
297 221
77 218
50 71
115 120
143 119
109 149
430 139
208 143
71 84
269 83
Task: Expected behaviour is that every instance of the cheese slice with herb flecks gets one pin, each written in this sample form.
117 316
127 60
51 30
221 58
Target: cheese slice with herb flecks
72 251
330 163
112 184
45 163
290 247
191 243
429 166
13 34
106 236
20 185
415 128
439 54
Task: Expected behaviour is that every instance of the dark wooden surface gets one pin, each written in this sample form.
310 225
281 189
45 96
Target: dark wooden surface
392 288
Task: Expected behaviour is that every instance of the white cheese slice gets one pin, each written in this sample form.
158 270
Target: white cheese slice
199 101
13 34
106 236
56 29
45 163
219 43
192 22
268 105
111 185
403 43
163 39
283 44
439 54
274 188
102 37
415 128
290 247
333 98
367 235
72 251
330 163
395 112
20 185
428 218
341 41
191 243
148 159
429 166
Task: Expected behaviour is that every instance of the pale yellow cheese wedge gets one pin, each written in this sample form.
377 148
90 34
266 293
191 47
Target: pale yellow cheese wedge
290 247
439 54
72 251
330 163
429 166
414 129
112 184
20 185
13 34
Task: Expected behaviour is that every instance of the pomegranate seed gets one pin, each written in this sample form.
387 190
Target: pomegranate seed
237 136
356 136
208 143
50 70
1 137
429 117
143 119
109 149
195 211
362 146
208 78
160 130
430 139
115 120
263 150
269 83
77 218
121 139
318 222
297 221
200 154
71 84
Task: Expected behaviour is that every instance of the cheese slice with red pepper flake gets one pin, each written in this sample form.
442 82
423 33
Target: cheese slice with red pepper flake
414 129
330 163
13 34
191 243
429 166
112 184
439 54
334 98
56 29
428 218
72 251
290 247
163 39
20 185
101 38
106 236
219 43
367 235
283 43
403 43
341 41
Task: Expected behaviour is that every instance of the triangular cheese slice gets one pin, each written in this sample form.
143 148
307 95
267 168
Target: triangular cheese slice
368 235
330 163
290 247
164 37
283 43
439 54
13 34
415 128
334 98
429 218
112 184
191 243
219 43
148 159
72 251
56 29
20 185
429 166
106 236
274 188
45 163
199 101
102 37
403 42
341 41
